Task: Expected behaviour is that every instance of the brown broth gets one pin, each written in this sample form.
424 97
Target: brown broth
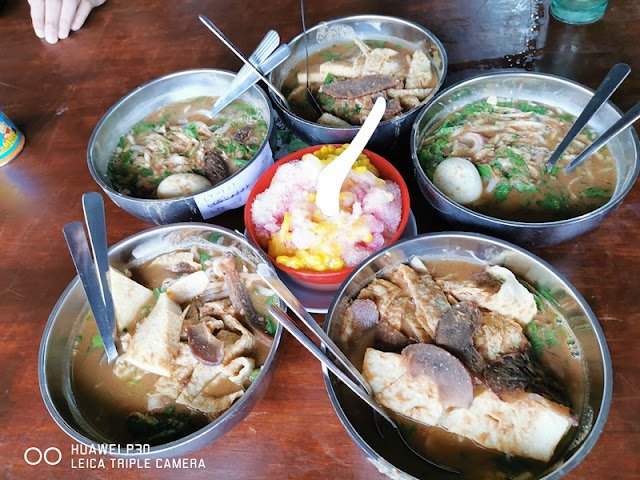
106 400
517 140
558 350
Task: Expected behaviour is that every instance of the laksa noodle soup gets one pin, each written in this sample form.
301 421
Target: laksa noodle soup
480 370
194 332
346 79
179 150
293 230
491 157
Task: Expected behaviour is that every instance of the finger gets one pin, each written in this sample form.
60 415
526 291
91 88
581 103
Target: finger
67 14
51 20
81 14
37 17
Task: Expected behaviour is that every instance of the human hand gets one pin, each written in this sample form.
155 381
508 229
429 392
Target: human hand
53 19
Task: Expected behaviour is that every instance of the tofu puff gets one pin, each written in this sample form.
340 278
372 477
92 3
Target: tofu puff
507 345
194 334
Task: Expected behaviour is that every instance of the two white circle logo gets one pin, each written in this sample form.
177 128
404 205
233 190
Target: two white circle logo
39 455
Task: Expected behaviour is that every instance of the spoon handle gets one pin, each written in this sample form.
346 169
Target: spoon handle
291 327
609 85
262 52
209 24
93 206
294 304
332 176
622 124
279 56
81 255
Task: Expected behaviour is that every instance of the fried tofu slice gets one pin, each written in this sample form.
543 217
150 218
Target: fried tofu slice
188 287
529 425
342 69
396 309
129 298
498 336
181 371
177 262
427 296
155 342
512 299
213 389
380 62
420 74
332 121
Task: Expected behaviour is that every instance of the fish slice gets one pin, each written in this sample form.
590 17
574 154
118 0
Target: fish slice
332 176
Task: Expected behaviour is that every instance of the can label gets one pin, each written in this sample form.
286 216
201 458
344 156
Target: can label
11 140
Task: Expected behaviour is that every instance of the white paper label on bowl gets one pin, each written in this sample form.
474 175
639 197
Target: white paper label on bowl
234 192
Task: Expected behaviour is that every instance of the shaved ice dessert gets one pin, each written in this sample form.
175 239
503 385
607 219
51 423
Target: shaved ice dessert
293 230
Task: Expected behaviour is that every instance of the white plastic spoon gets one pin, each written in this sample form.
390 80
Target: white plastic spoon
332 176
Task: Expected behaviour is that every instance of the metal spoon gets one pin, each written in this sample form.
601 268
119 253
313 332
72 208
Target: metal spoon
622 124
93 282
209 24
279 56
294 304
310 97
332 176
609 85
287 323
261 53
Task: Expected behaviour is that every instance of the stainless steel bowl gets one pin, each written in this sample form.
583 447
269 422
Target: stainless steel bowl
546 89
54 360
146 99
395 460
342 30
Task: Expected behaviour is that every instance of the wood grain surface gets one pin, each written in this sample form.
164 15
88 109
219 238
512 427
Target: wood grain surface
57 93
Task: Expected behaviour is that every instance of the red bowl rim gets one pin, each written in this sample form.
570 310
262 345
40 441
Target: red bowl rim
333 276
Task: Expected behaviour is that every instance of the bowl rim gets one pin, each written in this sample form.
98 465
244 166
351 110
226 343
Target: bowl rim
214 71
610 204
607 380
397 118
332 276
166 449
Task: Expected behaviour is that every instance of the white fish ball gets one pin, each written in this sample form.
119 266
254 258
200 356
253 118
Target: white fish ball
459 180
182 184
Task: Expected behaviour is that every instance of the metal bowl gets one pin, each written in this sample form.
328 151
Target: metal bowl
54 360
392 458
341 30
146 99
546 89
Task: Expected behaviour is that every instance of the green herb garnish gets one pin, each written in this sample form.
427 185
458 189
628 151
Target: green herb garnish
485 171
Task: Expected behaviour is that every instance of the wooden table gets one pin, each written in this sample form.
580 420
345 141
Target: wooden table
57 93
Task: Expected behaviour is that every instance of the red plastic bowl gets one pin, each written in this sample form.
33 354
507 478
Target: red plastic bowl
311 278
